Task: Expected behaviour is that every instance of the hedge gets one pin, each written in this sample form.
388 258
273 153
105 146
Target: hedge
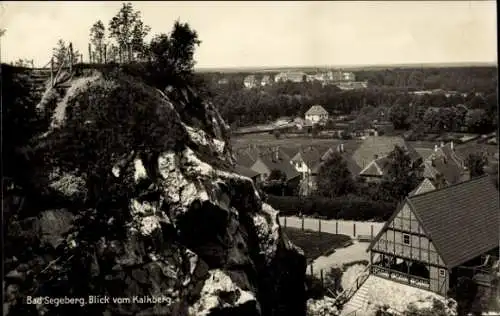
346 208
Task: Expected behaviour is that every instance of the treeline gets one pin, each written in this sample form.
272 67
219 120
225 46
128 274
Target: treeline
460 79
245 107
354 208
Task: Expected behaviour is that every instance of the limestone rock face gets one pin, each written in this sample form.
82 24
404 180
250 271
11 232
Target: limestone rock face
192 234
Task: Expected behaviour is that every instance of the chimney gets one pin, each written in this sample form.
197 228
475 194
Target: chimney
375 156
452 147
338 149
341 148
276 154
435 148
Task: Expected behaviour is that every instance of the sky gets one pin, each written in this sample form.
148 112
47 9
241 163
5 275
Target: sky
273 34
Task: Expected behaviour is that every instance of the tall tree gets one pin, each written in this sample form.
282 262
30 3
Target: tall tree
61 54
128 30
403 174
476 163
334 178
399 115
97 36
183 42
139 32
173 54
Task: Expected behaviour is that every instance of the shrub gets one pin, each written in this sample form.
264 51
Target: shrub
314 287
347 208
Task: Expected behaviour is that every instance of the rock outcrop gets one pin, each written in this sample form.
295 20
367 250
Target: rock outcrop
190 232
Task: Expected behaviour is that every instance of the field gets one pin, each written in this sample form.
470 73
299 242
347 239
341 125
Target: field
315 244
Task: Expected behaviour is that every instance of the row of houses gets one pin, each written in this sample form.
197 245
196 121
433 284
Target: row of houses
442 165
330 77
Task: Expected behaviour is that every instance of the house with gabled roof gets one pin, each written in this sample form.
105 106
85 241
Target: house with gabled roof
346 153
316 114
306 161
275 159
425 186
433 238
247 172
248 155
376 169
445 163
375 147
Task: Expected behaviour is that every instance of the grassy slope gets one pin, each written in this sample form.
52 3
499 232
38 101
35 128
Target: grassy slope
315 244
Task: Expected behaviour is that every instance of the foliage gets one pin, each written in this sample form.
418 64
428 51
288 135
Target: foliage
403 174
399 115
334 178
97 38
362 122
128 30
347 208
277 174
19 121
172 55
464 293
60 54
25 63
243 107
101 130
476 162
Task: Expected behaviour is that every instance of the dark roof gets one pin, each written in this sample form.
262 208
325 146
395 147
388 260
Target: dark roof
316 110
290 151
464 150
380 146
425 186
377 168
448 164
246 156
450 153
311 156
462 220
280 162
349 148
244 171
244 159
451 172
424 152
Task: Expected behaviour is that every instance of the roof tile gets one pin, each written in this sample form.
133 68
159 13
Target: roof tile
462 220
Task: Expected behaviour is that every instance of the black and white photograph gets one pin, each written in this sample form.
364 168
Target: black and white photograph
250 158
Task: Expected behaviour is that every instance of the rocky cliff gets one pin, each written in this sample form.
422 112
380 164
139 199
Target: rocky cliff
163 215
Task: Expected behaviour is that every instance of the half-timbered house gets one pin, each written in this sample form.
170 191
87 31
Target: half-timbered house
437 236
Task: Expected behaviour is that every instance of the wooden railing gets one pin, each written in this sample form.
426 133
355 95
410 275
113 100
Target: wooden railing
347 293
401 276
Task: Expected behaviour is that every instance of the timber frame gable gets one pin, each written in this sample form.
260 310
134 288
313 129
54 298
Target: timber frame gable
433 237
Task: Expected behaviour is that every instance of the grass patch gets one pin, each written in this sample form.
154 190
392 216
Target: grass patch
315 244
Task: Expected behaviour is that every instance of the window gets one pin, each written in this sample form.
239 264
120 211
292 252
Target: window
442 272
406 239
